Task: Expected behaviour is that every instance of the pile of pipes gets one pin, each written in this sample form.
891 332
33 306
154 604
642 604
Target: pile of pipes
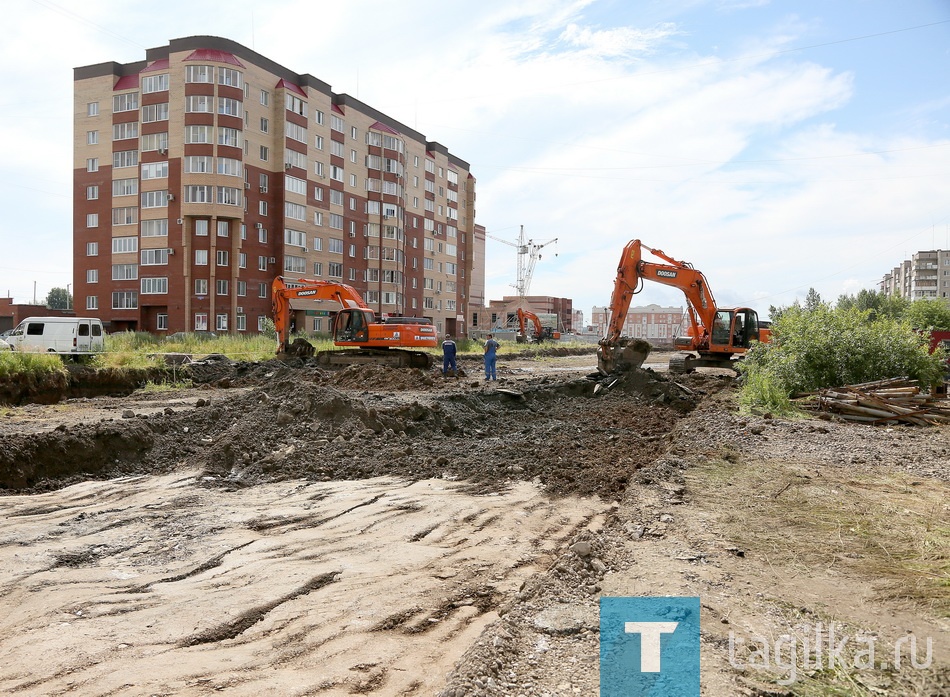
881 402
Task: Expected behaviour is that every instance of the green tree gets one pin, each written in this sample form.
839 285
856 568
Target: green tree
59 299
812 300
825 347
929 313
878 304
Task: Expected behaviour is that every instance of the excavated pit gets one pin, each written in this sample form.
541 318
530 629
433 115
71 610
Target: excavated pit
293 420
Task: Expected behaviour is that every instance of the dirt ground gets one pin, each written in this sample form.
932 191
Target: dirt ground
282 529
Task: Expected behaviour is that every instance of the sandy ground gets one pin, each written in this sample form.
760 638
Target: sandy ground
393 533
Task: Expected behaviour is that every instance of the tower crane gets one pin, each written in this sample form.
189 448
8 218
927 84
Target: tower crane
528 254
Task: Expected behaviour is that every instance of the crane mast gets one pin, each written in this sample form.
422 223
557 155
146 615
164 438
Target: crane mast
529 252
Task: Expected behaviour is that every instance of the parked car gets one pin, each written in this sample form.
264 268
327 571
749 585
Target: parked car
58 335
4 346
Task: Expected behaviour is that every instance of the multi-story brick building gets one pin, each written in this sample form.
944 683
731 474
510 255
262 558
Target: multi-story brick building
658 325
206 170
925 275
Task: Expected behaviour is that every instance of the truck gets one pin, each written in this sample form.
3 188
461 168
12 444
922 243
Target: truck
364 337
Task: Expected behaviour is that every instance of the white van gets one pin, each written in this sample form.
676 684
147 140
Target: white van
58 335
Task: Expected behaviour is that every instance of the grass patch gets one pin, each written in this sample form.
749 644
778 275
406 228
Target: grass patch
888 526
26 364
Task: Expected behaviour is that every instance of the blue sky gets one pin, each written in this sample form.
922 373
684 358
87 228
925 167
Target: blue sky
777 146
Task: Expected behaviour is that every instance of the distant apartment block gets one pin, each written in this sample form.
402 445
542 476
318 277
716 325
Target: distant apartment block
555 312
206 170
925 275
658 325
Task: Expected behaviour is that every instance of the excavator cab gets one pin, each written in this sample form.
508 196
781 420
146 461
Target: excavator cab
734 330
352 324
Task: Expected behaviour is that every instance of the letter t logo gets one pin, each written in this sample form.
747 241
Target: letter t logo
649 642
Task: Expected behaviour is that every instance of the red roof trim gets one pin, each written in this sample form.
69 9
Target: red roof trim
379 126
127 82
161 64
339 109
290 86
215 56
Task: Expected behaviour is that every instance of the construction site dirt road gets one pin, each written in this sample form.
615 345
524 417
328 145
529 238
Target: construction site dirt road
282 529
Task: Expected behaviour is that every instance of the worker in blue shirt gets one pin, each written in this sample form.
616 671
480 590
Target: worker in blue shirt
491 357
449 350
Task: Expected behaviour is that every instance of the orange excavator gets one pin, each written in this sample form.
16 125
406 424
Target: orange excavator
386 341
715 338
540 331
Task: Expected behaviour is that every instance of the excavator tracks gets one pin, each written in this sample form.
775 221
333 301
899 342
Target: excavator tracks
394 358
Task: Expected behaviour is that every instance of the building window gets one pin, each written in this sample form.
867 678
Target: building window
201 286
125 131
294 264
155 83
125 272
92 302
317 268
199 194
295 104
92 192
201 257
154 286
265 97
264 127
199 164
125 102
155 112
92 109
125 300
92 164
92 220
221 286
241 289
221 323
262 263
262 208
155 199
229 107
230 77
201 322
92 249
161 321
229 136
154 257
92 275
155 170
125 158
319 117
199 73
262 290
127 215
221 257
92 137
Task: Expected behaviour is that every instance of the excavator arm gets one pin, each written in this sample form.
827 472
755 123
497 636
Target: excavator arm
346 296
523 317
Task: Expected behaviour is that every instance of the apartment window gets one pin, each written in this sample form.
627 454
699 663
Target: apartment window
295 132
318 218
230 167
201 286
295 159
318 169
92 249
127 215
125 300
240 323
92 109
199 134
155 83
229 195
241 288
221 257
295 238
262 290
92 220
264 153
155 112
294 264
264 125
92 137
229 136
353 180
201 322
161 321
221 322
336 173
265 97
336 148
221 286
262 235
318 142
336 123
263 183
199 104
154 257
229 76
92 275
242 260
199 73
262 208
354 135
335 270
295 211
155 170
295 104
317 268
125 102
92 302
155 228
199 194
154 286
201 257
223 228
154 141
199 164
335 246
319 117
92 192
92 164
262 263
125 158
229 107
155 199
295 185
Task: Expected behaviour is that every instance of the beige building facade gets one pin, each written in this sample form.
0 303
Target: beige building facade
656 324
925 275
206 170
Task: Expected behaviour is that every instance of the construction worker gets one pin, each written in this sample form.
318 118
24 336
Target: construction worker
449 349
491 357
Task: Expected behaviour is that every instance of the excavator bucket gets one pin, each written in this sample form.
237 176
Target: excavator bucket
628 354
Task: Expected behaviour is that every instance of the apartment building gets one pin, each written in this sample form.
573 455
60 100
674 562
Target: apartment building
206 170
925 275
658 325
